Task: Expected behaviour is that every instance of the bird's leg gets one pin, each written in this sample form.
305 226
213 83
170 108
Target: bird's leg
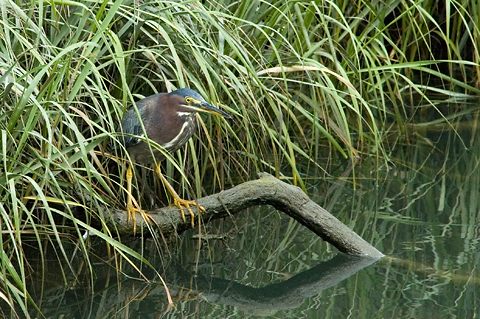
177 200
131 210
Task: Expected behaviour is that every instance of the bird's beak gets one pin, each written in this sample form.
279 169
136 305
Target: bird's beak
208 108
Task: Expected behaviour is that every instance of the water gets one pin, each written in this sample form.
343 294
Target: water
421 210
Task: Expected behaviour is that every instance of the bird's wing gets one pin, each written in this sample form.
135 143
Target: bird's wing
130 125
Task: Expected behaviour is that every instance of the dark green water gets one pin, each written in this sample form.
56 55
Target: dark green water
422 210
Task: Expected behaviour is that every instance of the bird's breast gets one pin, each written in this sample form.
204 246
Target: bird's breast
170 136
182 136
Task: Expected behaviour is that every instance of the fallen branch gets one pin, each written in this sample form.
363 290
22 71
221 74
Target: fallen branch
267 190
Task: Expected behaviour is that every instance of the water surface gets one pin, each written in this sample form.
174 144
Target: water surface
421 209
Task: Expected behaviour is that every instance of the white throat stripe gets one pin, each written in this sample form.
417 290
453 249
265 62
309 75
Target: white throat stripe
179 135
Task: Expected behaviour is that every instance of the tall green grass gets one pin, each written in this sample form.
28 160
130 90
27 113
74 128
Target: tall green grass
304 81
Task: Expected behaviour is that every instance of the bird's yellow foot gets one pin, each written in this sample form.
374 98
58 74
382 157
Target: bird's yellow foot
131 213
183 203
177 200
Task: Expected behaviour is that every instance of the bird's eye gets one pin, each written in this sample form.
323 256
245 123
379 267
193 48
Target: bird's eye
188 99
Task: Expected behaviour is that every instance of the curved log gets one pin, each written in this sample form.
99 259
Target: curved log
267 190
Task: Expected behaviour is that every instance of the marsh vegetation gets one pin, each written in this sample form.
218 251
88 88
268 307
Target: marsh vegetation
337 91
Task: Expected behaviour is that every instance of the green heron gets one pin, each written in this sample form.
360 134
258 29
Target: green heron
169 119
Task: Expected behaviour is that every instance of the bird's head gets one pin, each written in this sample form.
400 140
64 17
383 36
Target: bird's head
190 101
